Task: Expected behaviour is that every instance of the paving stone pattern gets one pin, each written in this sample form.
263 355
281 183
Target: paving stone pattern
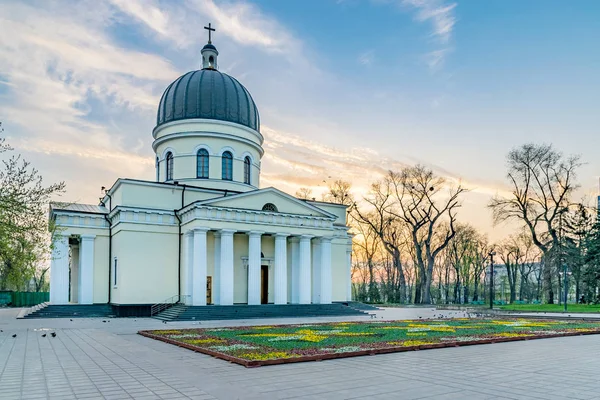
91 359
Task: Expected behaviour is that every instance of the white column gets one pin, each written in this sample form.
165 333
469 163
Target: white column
295 241
216 280
189 267
75 276
316 271
86 269
304 272
254 239
226 267
199 267
280 273
59 271
326 281
349 274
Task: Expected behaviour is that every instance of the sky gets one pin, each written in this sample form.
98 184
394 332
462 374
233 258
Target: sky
346 89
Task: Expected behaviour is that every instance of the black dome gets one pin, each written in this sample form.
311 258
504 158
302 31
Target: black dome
208 94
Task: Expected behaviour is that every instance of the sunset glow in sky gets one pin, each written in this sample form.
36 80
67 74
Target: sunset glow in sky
346 89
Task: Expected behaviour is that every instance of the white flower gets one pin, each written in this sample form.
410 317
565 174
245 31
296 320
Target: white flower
233 347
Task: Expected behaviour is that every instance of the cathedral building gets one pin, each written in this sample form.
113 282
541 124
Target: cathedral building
202 232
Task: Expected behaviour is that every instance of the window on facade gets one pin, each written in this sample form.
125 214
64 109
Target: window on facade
202 164
269 207
157 170
247 165
227 166
169 174
115 273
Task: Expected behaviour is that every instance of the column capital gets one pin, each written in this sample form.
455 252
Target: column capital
227 232
281 235
87 237
325 239
306 237
255 233
201 229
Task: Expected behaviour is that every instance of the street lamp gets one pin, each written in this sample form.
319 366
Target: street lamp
492 254
565 275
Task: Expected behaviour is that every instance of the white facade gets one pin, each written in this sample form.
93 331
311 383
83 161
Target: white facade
229 245
202 231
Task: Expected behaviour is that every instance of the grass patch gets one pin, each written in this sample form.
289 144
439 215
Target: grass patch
572 308
263 345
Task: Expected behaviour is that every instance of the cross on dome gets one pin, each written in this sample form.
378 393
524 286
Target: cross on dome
209 29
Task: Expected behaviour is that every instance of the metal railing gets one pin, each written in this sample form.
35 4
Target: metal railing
168 303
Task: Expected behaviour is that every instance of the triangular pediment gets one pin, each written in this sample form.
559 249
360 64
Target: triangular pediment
256 200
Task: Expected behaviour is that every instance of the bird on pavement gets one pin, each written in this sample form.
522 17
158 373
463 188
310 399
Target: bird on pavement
15 335
44 335
71 320
53 334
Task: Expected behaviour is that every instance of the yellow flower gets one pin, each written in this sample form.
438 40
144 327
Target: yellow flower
416 333
408 343
513 334
266 356
168 332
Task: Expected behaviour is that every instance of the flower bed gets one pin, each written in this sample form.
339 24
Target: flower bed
253 346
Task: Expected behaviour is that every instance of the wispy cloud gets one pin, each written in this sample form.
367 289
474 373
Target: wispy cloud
367 58
438 13
442 17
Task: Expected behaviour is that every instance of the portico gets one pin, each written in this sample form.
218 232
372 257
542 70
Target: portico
281 274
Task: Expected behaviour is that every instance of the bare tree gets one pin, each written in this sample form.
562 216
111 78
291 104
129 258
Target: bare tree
304 194
542 182
388 229
339 192
423 205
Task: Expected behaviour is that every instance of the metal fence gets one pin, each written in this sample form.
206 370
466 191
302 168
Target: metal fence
23 299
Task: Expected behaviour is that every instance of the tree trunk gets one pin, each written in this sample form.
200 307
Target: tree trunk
547 278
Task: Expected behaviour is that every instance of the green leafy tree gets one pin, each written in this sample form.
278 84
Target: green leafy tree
24 235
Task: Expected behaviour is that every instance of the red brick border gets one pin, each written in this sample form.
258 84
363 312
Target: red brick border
331 356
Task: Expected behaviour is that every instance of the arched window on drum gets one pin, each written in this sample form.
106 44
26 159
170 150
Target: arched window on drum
202 164
227 166
247 170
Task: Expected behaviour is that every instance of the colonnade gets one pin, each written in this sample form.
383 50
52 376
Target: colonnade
311 280
72 278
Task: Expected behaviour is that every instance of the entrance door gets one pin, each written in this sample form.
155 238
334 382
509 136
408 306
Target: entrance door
264 284
209 290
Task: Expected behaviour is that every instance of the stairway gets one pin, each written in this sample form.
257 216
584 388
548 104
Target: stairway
72 311
181 312
360 306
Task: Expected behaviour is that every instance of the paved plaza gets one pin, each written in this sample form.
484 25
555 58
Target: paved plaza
91 359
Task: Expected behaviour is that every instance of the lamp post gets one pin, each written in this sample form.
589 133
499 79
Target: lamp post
492 254
565 275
